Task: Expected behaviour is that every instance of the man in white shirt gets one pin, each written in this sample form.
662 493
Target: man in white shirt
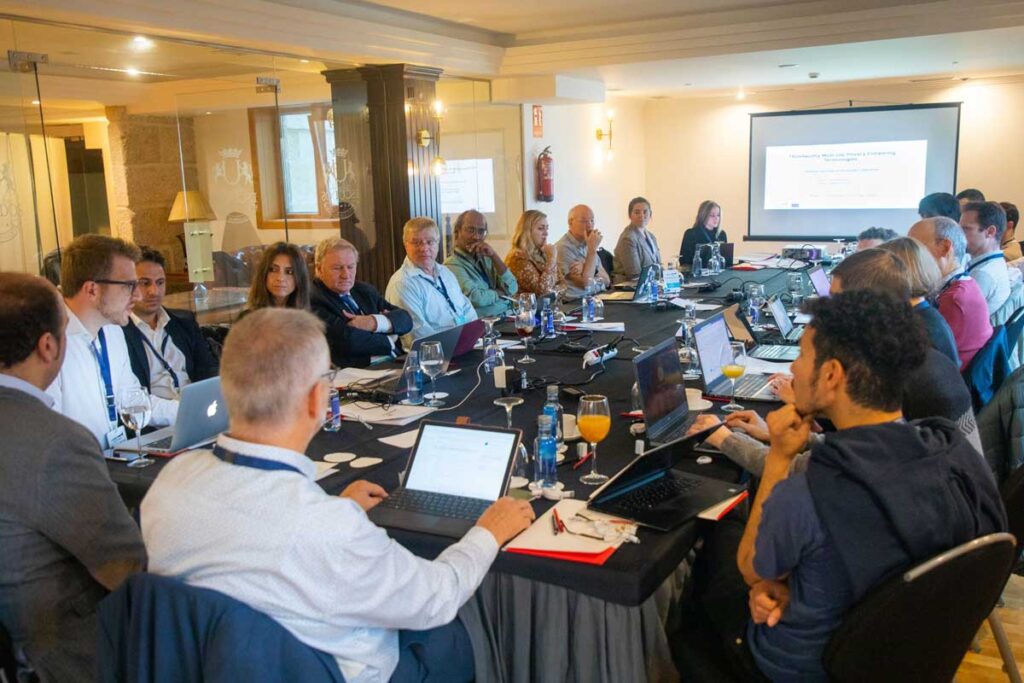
166 346
100 287
248 519
427 289
983 224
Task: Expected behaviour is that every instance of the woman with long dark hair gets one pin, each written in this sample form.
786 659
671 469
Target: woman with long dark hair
281 279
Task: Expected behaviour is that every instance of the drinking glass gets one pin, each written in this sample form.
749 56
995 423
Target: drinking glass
594 422
756 300
527 301
432 364
489 331
733 368
689 321
795 285
524 328
135 409
508 403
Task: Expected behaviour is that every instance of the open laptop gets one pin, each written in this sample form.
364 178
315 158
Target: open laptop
740 330
641 290
650 492
659 376
454 473
819 280
789 332
711 337
202 415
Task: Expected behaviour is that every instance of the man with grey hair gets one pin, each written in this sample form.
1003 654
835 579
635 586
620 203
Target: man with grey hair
427 289
360 323
578 261
248 519
485 279
960 300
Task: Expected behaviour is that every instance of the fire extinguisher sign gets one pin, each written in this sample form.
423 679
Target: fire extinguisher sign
538 121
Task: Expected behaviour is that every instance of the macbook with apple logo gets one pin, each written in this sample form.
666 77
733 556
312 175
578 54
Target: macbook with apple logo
202 415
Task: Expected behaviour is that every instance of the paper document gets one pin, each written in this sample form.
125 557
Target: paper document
539 539
502 343
403 440
395 415
681 303
349 376
324 469
598 327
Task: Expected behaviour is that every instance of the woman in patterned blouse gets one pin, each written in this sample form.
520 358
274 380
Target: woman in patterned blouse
531 259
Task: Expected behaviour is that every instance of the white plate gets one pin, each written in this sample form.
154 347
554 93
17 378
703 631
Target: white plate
339 457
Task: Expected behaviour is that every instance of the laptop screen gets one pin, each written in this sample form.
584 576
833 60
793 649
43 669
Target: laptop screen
659 375
819 280
461 461
711 338
778 310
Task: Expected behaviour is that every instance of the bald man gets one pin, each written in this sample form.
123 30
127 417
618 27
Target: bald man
577 253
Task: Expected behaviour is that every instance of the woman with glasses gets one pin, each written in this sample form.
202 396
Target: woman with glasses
281 279
532 258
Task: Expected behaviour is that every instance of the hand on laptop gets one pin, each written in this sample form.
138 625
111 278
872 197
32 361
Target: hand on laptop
366 323
782 386
366 494
506 518
768 600
752 424
705 422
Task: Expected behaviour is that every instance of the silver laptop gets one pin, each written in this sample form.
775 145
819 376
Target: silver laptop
790 332
641 289
711 337
820 281
202 415
740 330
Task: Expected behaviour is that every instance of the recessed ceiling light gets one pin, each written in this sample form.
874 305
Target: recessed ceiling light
35 101
142 43
304 61
132 71
787 66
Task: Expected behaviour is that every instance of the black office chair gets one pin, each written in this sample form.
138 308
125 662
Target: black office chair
1012 493
1001 427
918 625
607 260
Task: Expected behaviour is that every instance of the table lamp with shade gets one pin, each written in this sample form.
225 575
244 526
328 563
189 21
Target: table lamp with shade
193 211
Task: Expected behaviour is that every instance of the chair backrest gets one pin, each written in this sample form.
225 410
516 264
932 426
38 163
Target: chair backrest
918 625
8 664
1014 331
155 629
988 369
1001 427
607 260
1012 493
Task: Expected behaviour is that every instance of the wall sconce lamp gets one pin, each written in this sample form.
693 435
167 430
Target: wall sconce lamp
601 135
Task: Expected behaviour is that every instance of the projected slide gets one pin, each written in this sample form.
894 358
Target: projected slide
468 184
856 175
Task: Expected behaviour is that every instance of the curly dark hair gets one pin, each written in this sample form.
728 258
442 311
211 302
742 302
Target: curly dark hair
29 308
877 338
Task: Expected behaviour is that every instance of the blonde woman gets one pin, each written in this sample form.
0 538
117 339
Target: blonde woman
532 259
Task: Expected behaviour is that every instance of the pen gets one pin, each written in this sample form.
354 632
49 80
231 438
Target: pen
554 524
558 520
580 461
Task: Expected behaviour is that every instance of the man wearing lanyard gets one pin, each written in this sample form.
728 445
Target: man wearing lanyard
983 224
481 273
247 518
360 322
100 287
166 347
424 287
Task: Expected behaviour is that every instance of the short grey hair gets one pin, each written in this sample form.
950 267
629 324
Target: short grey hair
948 229
326 246
415 226
271 359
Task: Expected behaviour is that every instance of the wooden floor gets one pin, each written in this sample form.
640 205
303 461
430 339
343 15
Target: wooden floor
987 666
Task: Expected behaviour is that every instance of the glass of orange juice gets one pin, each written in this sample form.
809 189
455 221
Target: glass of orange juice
733 368
594 422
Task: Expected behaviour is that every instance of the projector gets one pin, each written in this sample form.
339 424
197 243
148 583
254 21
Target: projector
805 252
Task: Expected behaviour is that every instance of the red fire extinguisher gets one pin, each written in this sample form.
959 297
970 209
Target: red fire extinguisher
546 176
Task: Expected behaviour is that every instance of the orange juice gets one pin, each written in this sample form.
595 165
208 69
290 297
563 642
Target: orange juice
732 371
593 428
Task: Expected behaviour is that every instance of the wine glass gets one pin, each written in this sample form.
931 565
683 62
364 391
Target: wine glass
557 307
733 368
524 328
689 321
508 403
489 331
135 409
527 301
594 422
432 364
795 285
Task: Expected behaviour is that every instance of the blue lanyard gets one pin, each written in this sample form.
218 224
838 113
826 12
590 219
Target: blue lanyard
439 286
923 305
233 458
988 258
959 276
160 357
103 360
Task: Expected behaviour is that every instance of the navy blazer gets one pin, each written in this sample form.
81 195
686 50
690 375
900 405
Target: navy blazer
200 363
156 629
350 346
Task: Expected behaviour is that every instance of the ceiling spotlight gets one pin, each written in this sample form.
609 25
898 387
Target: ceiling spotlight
142 43
740 95
132 71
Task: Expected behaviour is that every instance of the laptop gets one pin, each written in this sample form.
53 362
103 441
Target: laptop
454 473
641 290
790 332
820 281
740 330
659 376
651 493
711 337
455 341
202 415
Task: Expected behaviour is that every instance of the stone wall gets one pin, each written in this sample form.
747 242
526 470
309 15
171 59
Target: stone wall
146 175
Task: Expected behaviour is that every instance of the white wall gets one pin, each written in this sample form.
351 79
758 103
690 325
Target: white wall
582 174
698 149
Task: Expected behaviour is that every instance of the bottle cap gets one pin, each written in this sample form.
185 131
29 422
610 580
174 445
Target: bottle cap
544 420
552 391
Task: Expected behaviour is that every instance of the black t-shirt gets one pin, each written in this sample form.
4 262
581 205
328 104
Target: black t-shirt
696 236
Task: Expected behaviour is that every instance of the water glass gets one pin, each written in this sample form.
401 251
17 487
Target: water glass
432 364
135 408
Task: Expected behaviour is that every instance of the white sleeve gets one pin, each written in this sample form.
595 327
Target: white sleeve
164 411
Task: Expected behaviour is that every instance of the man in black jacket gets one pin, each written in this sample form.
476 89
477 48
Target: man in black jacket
360 322
166 348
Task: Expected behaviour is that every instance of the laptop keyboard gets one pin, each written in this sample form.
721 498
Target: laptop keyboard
796 333
750 384
160 444
656 493
440 504
773 351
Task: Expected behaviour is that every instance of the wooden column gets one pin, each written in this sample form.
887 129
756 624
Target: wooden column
384 175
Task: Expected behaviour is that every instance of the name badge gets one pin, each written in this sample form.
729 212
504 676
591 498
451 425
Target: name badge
116 436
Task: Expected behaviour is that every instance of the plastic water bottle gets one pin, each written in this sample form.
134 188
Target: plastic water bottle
654 291
413 379
547 318
673 280
716 259
490 354
698 266
553 408
332 423
546 452
587 304
597 305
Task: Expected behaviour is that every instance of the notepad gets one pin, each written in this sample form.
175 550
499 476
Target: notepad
540 540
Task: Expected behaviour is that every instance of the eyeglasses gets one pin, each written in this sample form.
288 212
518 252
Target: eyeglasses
475 231
422 243
330 375
130 284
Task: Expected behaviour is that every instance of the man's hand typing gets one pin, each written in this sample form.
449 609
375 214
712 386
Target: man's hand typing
366 494
506 518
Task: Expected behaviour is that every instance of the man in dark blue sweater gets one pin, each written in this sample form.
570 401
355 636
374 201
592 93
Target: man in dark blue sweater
878 495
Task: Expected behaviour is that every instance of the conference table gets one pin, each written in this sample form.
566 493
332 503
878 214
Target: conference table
535 618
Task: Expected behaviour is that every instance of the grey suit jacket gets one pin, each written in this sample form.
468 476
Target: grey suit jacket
632 253
60 516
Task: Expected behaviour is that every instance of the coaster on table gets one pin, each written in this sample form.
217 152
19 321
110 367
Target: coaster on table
435 395
339 457
360 463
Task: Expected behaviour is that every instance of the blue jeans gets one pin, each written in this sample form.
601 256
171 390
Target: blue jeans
440 654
